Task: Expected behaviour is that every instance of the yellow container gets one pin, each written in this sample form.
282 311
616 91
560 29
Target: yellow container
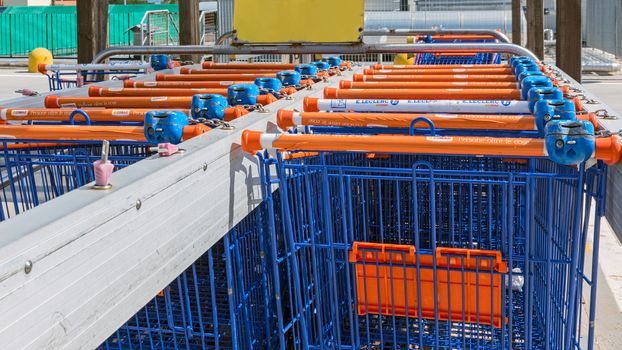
282 21
39 56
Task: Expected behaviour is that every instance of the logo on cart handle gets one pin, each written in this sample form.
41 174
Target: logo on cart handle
395 102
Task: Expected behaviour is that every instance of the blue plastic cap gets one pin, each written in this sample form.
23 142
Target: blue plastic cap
548 110
165 126
534 81
536 94
269 84
242 94
428 39
334 61
527 74
569 142
208 106
515 59
159 62
289 78
308 70
526 67
321 65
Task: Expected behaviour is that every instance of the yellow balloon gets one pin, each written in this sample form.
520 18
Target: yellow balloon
39 56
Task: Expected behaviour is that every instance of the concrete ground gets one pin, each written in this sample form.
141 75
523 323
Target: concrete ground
14 78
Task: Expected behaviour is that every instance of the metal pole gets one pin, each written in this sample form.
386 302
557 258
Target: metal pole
535 27
315 49
569 38
516 22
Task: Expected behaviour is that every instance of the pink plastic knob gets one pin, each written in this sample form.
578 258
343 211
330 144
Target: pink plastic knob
167 149
103 171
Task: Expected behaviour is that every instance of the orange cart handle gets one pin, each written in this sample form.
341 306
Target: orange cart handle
227 71
180 84
347 84
435 77
96 91
439 71
213 77
279 66
423 94
287 119
608 149
439 66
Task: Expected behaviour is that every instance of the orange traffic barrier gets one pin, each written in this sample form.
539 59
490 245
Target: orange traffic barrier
436 77
346 84
437 66
439 71
213 77
180 84
279 66
423 94
95 115
608 149
393 280
95 91
227 71
74 132
157 102
287 119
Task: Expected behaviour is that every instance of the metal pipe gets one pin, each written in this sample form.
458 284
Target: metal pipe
228 35
440 31
314 49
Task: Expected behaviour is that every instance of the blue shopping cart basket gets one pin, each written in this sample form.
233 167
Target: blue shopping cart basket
528 214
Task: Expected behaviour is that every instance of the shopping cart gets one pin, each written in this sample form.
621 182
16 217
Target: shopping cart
35 171
457 57
220 302
63 76
395 248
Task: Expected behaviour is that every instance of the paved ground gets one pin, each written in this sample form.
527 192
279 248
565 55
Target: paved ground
14 78
607 87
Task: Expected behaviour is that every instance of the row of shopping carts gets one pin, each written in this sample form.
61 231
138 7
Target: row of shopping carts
49 151
436 207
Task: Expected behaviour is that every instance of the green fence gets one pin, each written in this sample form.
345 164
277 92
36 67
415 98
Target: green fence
23 28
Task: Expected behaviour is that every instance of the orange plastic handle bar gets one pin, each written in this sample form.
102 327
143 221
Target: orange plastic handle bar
439 71
212 77
463 37
279 66
227 71
95 91
445 77
287 119
70 132
75 132
608 149
180 84
423 94
346 84
437 66
254 141
96 115
158 102
119 102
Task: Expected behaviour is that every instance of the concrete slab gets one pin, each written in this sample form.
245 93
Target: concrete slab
14 78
